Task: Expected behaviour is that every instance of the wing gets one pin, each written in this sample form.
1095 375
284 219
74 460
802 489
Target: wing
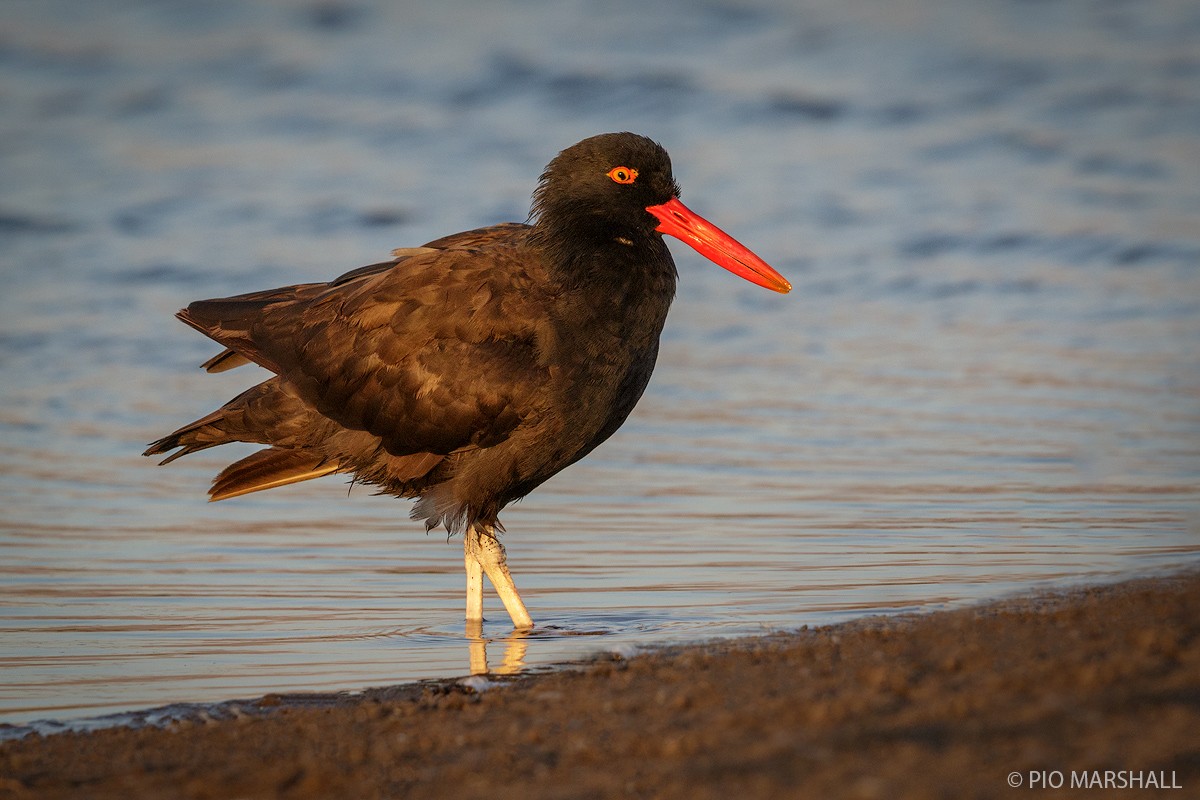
508 232
437 353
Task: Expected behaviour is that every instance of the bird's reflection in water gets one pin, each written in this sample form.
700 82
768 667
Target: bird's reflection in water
515 645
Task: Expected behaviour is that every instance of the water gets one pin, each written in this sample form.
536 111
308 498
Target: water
987 378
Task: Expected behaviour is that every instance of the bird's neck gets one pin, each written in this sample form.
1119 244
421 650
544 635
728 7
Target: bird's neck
586 253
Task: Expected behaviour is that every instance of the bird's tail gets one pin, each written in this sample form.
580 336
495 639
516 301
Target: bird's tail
266 469
202 434
265 414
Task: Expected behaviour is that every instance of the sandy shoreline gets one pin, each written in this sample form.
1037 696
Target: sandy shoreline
1054 687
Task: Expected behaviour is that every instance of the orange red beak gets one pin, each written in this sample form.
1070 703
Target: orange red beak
676 219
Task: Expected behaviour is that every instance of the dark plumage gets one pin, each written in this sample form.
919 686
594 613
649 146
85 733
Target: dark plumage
466 372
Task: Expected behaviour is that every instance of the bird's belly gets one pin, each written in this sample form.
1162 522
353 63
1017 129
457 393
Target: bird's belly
602 409
582 413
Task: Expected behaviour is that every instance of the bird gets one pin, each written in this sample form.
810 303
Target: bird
464 373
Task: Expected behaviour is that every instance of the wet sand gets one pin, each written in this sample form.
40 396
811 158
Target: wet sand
949 704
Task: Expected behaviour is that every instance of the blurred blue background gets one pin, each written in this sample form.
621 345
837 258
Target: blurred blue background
986 379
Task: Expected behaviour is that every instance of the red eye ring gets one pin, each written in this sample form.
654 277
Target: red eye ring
623 174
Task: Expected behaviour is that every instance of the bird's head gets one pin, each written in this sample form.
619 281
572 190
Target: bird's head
618 187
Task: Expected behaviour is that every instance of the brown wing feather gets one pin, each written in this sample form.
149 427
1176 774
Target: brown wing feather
380 352
229 359
267 469
225 360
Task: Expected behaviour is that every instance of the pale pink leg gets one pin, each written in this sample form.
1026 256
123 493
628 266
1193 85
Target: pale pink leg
481 544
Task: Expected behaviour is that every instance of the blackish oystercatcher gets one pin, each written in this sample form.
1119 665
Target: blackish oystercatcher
466 372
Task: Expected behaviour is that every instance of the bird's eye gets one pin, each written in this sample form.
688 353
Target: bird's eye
623 174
